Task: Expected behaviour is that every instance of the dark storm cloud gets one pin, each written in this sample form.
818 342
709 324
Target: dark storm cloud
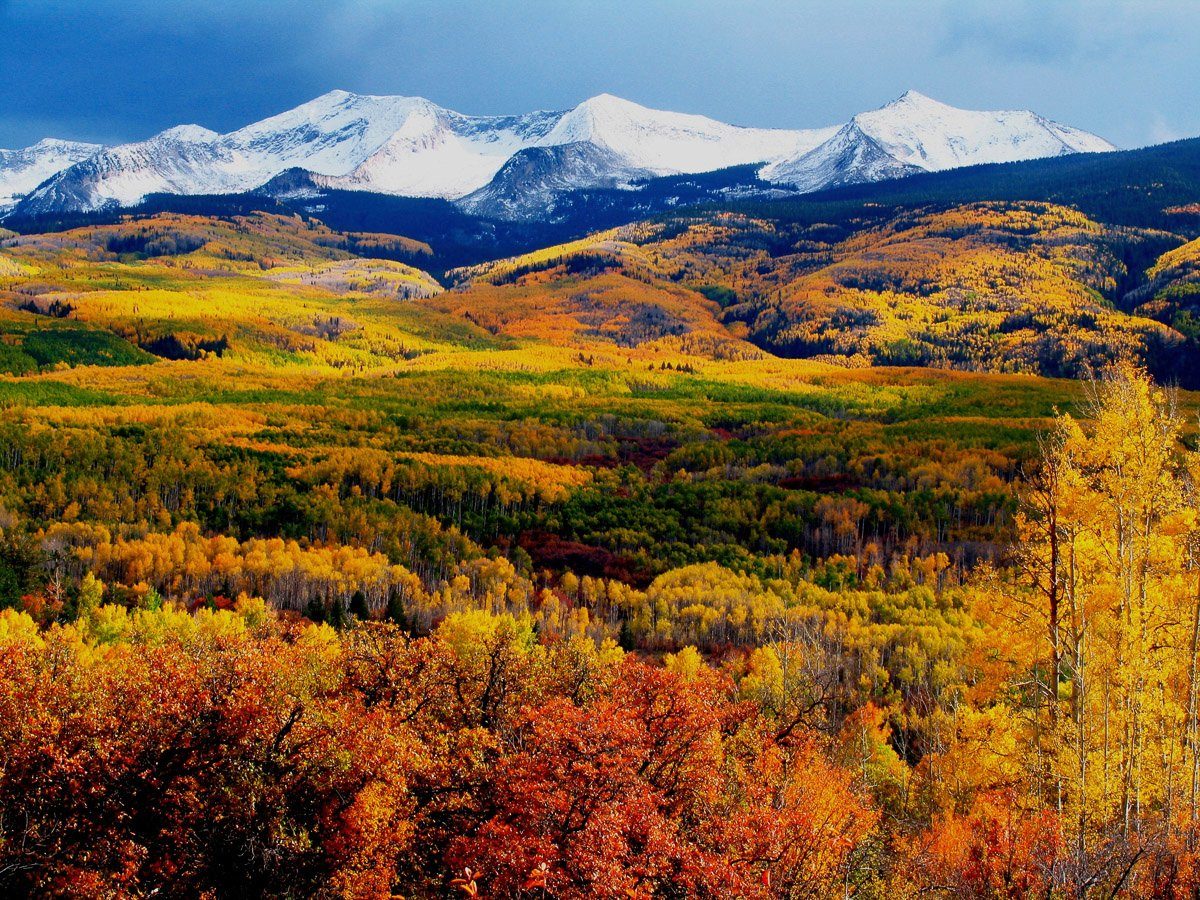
126 69
122 69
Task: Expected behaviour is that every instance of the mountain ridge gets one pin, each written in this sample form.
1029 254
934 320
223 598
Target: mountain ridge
516 167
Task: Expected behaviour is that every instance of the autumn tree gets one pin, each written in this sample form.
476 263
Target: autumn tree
1105 547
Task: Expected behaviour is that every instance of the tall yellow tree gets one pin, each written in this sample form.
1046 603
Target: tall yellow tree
1105 538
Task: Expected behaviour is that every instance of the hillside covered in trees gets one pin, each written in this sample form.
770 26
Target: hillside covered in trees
995 287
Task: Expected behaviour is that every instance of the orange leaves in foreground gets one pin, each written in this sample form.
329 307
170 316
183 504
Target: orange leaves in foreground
997 850
662 782
220 764
222 754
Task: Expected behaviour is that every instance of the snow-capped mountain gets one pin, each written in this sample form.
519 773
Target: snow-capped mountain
515 166
23 170
667 143
607 142
916 133
408 146
395 145
181 160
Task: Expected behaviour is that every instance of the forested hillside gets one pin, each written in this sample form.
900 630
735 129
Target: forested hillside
994 287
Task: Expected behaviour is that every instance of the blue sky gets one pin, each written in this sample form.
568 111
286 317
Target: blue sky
113 70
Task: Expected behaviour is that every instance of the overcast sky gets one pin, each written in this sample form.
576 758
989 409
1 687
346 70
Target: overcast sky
117 70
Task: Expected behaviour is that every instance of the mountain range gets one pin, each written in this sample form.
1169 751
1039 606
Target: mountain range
516 167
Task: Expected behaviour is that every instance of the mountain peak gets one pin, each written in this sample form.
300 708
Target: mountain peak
59 144
611 103
22 170
595 119
340 98
915 99
659 142
188 133
604 97
347 103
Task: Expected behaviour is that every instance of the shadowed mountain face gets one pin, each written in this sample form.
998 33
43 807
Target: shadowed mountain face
528 184
849 157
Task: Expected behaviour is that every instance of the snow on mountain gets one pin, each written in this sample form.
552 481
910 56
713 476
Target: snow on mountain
606 141
923 132
916 133
395 145
186 159
667 143
513 166
411 147
438 153
391 145
23 170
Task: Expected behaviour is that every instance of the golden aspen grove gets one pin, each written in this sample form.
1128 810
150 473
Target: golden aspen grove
766 551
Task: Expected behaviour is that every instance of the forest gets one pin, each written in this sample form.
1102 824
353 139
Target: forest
721 555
